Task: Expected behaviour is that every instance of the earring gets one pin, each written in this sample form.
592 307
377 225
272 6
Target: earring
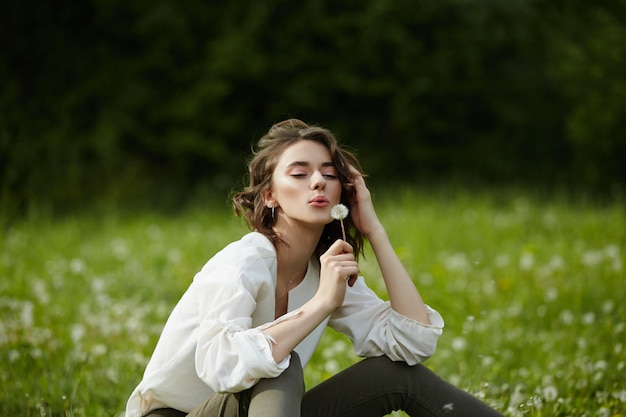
273 213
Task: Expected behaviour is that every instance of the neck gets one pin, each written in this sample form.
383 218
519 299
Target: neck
294 252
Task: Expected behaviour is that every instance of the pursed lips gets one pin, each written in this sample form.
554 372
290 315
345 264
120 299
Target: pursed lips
319 201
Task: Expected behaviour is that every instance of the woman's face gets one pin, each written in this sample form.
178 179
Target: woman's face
305 184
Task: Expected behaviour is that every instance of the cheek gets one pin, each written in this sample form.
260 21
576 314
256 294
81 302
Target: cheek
285 189
336 190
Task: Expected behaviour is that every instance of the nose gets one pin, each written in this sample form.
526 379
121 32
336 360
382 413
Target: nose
318 182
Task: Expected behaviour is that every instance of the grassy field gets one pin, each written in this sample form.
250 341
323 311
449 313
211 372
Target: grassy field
532 290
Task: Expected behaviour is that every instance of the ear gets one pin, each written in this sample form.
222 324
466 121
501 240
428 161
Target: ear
269 199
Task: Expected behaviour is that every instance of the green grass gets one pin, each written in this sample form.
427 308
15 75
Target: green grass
532 290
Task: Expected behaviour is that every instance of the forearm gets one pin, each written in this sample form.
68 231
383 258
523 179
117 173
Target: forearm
403 295
289 333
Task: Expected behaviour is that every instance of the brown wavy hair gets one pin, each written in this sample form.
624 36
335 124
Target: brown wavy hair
250 202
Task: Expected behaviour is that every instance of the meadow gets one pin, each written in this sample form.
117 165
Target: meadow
531 287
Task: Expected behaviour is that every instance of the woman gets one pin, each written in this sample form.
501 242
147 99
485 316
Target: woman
237 341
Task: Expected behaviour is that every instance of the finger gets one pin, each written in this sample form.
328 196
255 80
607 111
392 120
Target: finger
345 267
339 247
355 172
344 257
355 175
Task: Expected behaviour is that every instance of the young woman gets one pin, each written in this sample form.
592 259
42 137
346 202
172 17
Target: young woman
237 341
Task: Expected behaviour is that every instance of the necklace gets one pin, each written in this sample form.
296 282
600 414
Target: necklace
296 278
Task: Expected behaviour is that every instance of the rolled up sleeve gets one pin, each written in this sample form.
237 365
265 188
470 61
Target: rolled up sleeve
232 358
376 329
230 355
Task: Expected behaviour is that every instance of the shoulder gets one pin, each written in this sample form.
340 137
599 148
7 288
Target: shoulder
253 245
253 253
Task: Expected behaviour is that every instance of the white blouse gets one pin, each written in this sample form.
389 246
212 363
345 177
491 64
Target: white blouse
213 340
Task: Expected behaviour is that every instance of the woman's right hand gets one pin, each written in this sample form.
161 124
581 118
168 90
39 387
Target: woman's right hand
339 268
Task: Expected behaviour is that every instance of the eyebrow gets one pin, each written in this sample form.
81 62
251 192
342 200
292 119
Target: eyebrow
306 164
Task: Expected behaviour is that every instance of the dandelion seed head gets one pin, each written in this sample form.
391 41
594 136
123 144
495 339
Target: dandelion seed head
534 402
527 261
77 266
567 317
41 292
174 255
98 285
77 333
600 365
502 260
603 412
339 212
455 379
459 344
550 393
36 353
620 395
457 262
120 248
592 258
331 366
99 350
612 251
608 306
557 263
589 318
487 361
26 315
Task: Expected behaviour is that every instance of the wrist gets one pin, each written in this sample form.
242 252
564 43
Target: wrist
376 232
320 305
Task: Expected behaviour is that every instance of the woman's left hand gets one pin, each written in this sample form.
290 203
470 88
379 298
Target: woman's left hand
361 207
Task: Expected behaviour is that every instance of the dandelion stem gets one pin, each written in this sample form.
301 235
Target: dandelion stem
340 212
343 230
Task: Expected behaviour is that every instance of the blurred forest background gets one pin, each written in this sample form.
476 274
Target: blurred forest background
160 101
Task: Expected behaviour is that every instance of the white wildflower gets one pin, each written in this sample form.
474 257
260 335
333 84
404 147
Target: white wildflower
340 212
77 333
527 261
551 294
459 344
603 412
77 266
550 393
331 366
567 317
620 395
99 349
589 318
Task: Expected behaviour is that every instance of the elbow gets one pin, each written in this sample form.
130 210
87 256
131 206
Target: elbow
236 362
224 378
426 353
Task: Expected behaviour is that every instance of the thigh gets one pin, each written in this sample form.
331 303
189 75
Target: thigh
276 397
377 386
361 390
280 396
220 405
